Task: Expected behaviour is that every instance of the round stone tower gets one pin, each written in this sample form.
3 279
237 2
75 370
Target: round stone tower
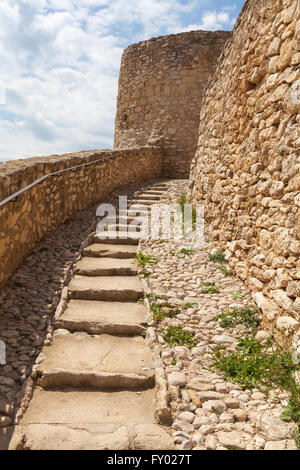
160 91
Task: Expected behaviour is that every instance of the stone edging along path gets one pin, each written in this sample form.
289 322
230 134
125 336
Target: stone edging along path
97 377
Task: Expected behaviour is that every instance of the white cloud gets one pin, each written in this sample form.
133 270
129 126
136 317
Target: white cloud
60 62
212 20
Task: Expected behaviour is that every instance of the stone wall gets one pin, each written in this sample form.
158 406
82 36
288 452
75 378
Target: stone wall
44 207
247 165
160 88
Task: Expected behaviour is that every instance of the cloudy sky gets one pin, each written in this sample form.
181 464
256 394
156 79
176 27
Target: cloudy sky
60 62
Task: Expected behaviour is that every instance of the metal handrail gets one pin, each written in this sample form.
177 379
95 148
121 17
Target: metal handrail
39 181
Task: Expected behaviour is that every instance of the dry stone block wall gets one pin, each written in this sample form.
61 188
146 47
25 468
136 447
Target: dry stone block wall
247 165
160 89
41 209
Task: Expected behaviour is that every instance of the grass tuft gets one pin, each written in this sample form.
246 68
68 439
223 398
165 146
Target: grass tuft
209 288
143 258
176 335
190 305
246 316
218 257
266 366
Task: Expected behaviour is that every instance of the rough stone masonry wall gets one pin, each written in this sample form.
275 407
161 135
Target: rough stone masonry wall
247 166
160 87
44 207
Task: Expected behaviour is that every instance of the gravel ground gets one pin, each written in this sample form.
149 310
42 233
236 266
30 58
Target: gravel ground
208 411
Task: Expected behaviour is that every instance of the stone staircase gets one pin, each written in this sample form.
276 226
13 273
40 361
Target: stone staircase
95 384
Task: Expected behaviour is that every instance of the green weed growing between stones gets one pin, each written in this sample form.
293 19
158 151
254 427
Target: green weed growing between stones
209 288
218 257
190 305
225 271
238 294
177 336
144 272
182 200
187 251
267 366
246 316
142 259
170 311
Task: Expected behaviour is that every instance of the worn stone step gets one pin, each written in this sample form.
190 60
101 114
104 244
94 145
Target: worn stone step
162 184
140 202
115 238
102 362
88 266
96 317
123 219
154 192
138 212
116 219
99 250
112 288
125 227
82 420
149 196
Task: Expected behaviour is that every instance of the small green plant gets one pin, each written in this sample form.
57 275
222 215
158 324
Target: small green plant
292 411
143 258
238 294
225 271
190 305
209 288
267 366
176 335
218 257
156 308
296 436
144 333
174 361
246 316
144 272
152 296
253 365
187 251
182 201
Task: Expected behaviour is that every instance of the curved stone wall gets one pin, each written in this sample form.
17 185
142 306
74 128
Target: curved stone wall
247 165
160 90
44 207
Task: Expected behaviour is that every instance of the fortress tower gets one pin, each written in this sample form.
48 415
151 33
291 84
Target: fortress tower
160 92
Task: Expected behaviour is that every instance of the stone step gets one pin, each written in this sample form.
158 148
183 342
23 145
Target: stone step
88 266
149 196
82 420
140 202
161 185
114 239
112 288
125 227
155 192
136 212
101 362
123 219
99 250
96 317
